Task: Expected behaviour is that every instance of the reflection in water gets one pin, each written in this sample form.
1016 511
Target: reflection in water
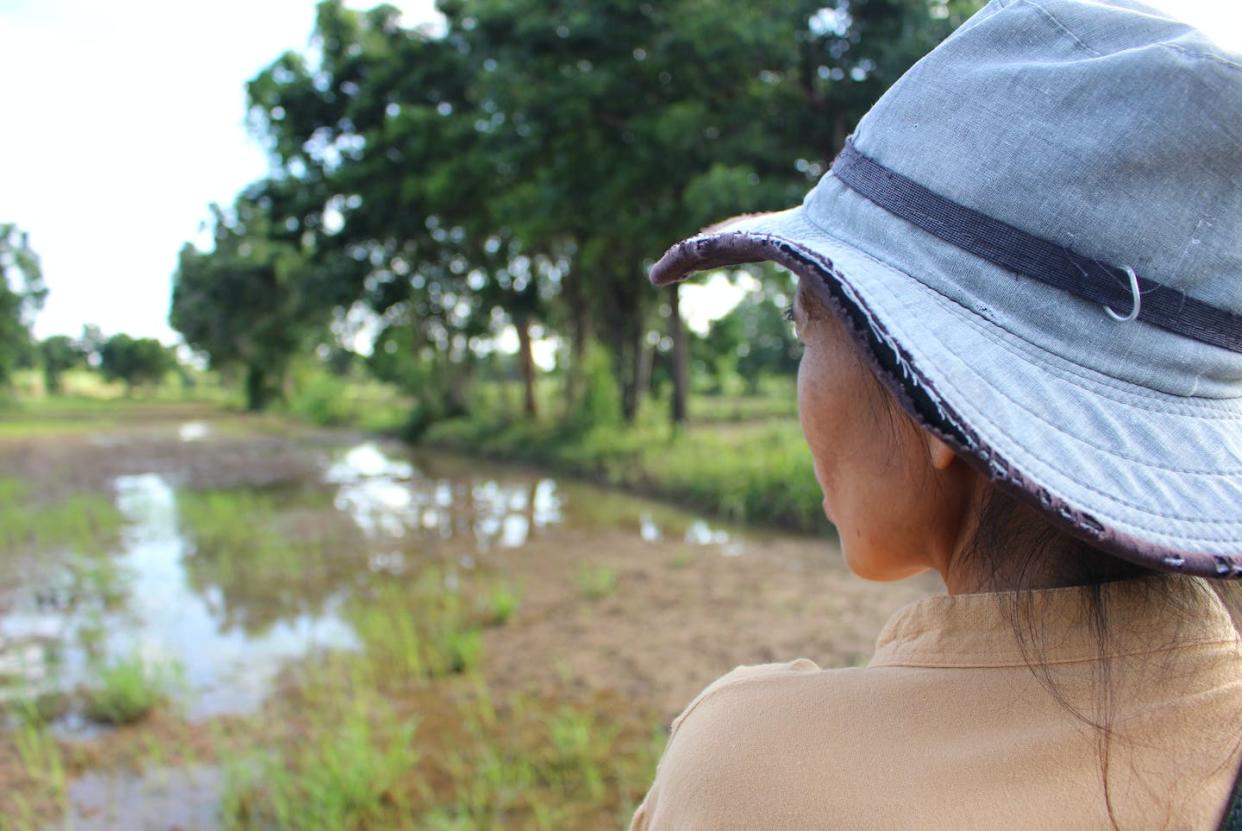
163 797
373 490
648 530
700 533
235 583
193 431
391 499
166 619
231 584
226 669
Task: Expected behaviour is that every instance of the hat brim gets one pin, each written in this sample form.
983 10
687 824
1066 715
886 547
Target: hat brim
1151 477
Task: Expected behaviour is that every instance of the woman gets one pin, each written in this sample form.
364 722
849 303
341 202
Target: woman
1020 294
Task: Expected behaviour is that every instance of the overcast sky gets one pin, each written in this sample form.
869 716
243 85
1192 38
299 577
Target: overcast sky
123 120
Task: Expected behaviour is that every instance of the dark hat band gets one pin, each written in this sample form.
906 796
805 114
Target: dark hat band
1016 250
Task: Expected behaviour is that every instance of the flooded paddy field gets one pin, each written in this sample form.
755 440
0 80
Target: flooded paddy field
209 621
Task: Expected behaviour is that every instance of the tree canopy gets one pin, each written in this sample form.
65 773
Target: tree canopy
134 361
22 293
522 163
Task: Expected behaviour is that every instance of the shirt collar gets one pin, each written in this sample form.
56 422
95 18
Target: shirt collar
971 630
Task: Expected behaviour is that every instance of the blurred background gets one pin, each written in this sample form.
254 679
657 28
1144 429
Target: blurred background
353 474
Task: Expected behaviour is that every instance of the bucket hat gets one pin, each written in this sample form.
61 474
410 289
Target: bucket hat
1036 236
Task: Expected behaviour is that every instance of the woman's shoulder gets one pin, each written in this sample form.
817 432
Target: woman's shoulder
729 754
749 675
745 697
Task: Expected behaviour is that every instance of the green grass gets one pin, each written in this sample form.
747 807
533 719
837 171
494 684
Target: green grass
758 472
39 753
500 604
256 547
331 401
349 772
407 734
423 629
81 522
128 689
596 582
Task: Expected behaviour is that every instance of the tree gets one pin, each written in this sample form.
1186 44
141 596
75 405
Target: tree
58 354
22 293
255 299
135 361
516 165
752 341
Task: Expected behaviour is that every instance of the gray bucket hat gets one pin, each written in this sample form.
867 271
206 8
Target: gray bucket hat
1036 233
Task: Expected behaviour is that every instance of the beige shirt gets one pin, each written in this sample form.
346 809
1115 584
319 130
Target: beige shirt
947 727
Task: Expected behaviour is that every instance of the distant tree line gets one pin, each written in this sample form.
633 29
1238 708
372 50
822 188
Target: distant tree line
133 361
521 163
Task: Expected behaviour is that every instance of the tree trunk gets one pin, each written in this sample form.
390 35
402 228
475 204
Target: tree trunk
644 355
258 392
527 360
680 367
579 322
459 376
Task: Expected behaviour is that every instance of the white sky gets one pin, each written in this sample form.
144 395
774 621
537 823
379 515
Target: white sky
123 120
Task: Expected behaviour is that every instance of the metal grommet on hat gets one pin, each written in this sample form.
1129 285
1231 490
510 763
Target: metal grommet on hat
1138 299
982 213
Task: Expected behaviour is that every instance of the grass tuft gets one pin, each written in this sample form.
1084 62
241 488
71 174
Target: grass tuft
128 689
596 582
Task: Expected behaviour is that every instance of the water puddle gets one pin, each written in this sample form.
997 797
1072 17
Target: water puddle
229 620
231 574
165 620
193 431
158 798
391 498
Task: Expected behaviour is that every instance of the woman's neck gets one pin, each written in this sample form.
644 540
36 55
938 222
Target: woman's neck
1011 547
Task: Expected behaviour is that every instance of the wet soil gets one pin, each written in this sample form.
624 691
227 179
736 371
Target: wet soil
692 598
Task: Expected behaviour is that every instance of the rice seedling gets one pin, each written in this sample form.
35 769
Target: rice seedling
352 772
596 582
80 522
127 689
458 650
98 578
40 756
500 604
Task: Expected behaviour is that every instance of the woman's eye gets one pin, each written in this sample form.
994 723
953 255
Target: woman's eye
789 314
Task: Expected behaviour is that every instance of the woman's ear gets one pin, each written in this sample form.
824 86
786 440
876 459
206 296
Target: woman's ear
939 454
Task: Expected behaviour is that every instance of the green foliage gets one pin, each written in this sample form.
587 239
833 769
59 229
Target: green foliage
349 774
128 689
40 755
22 293
324 399
257 296
81 522
596 582
516 166
752 342
599 405
502 603
135 361
773 482
248 546
423 630
58 354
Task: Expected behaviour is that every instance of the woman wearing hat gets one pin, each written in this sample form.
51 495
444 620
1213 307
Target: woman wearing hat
1020 295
